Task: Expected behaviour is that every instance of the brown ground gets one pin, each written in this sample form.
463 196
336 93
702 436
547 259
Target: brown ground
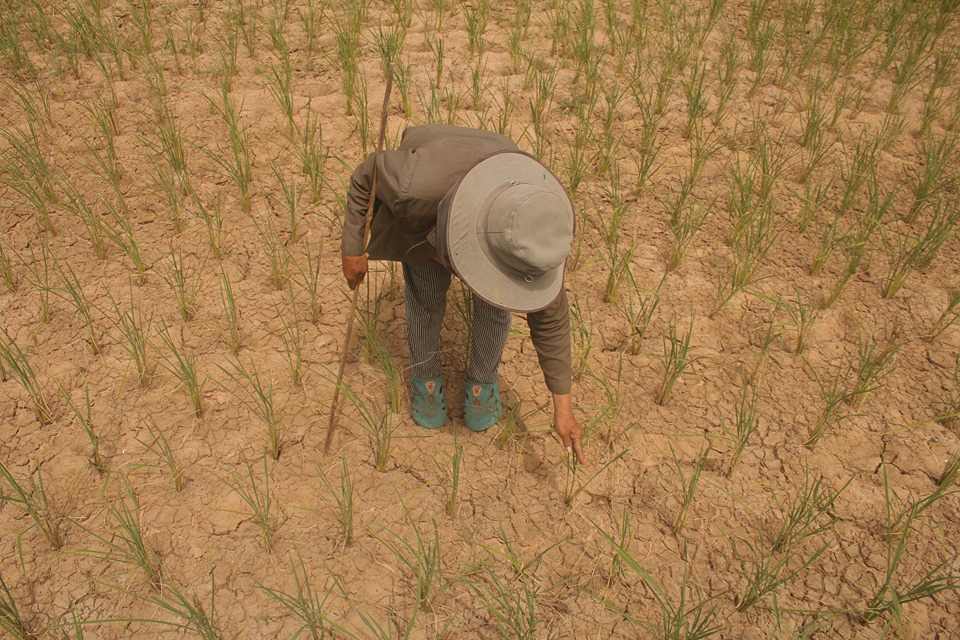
510 507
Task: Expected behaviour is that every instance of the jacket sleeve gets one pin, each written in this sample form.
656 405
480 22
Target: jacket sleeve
550 332
358 199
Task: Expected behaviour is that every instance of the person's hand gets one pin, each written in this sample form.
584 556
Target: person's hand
567 427
354 269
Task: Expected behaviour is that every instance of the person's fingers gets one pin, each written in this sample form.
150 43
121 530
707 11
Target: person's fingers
578 448
565 439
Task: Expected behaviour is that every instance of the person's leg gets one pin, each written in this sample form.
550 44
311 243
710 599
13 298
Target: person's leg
426 301
491 327
426 288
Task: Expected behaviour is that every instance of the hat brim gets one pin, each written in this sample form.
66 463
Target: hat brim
469 255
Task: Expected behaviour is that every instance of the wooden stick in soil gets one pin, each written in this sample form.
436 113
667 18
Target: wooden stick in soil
366 235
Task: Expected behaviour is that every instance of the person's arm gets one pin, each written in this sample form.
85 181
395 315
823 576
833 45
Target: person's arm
353 258
550 332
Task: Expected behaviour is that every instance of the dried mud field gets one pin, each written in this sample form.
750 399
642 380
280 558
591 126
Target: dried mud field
764 287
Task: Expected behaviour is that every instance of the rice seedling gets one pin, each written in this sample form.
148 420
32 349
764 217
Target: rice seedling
311 154
166 183
377 346
25 169
126 544
572 488
454 476
947 318
276 250
804 512
676 357
39 275
638 309
512 607
258 399
690 220
829 237
860 165
231 313
728 71
309 26
622 540
619 253
258 498
15 619
72 292
31 495
12 48
907 253
945 487
291 202
373 416
305 603
213 221
310 280
294 340
951 471
97 230
6 268
390 43
770 335
182 364
477 18
755 233
887 598
239 167
686 617
687 485
171 147
694 90
126 239
160 447
281 88
346 28
761 35
651 143
343 498
803 318
873 365
423 559
135 327
932 178
868 223
744 425
945 62
835 393
184 281
16 363
85 418
767 571
103 119
276 28
193 615
905 71
517 32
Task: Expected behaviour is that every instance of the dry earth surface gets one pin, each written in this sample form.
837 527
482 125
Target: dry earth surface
643 109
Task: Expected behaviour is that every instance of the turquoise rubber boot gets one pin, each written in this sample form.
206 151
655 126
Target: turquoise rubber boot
481 406
427 404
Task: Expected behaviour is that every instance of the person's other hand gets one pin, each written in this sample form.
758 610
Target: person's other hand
354 269
567 427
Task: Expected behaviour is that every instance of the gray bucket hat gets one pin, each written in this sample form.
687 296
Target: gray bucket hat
506 229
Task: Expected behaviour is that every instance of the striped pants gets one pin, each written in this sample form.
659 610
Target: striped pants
426 289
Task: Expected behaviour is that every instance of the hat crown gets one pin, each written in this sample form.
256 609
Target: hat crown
528 229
